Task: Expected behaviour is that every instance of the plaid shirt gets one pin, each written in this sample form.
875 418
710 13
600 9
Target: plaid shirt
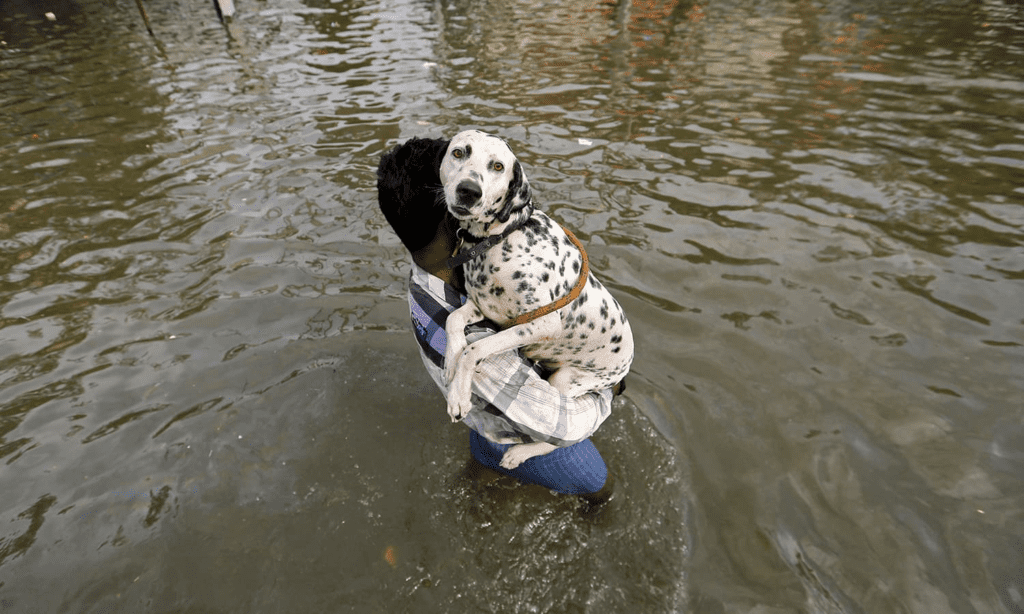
512 403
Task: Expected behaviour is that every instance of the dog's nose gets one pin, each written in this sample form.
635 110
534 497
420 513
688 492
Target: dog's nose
468 191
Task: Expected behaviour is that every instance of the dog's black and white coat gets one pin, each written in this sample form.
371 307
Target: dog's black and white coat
588 343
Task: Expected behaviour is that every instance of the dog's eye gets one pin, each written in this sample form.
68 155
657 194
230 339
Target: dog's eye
457 153
498 166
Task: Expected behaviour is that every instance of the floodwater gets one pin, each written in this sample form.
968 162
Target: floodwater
812 211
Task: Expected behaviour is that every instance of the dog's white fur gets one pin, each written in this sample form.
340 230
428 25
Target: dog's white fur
587 343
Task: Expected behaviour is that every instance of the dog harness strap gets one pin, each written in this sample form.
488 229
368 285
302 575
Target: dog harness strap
483 245
568 298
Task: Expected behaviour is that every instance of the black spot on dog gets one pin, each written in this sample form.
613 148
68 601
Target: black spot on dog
616 339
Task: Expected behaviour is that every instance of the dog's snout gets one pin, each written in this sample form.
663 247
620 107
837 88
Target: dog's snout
468 191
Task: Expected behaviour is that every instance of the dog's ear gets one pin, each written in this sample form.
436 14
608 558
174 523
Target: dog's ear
518 195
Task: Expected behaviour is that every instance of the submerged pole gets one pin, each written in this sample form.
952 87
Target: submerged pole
225 8
145 17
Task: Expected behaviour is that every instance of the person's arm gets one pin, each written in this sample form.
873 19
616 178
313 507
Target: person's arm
512 403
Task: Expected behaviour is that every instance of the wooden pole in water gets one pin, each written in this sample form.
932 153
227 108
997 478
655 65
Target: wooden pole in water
145 17
225 8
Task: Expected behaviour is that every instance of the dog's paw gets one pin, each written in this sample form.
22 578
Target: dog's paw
520 453
515 456
459 394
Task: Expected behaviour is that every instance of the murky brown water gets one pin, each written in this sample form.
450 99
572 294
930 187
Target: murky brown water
210 400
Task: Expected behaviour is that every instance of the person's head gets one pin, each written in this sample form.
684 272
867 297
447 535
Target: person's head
411 197
409 191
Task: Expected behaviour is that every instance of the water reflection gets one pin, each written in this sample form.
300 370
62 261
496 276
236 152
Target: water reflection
810 211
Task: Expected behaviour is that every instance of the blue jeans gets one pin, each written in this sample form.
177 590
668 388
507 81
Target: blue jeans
575 470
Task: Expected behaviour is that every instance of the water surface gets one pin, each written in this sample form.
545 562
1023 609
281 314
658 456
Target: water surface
813 213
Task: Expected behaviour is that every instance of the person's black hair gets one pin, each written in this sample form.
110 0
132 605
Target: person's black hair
409 190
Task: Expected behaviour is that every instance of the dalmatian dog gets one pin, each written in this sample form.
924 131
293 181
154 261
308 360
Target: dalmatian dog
532 262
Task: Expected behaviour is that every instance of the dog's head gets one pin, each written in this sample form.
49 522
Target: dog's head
484 184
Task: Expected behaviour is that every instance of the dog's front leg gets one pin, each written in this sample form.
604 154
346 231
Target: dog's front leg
520 453
455 329
461 387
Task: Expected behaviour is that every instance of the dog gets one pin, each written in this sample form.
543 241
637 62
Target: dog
520 261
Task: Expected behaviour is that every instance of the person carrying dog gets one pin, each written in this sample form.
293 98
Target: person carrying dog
512 403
